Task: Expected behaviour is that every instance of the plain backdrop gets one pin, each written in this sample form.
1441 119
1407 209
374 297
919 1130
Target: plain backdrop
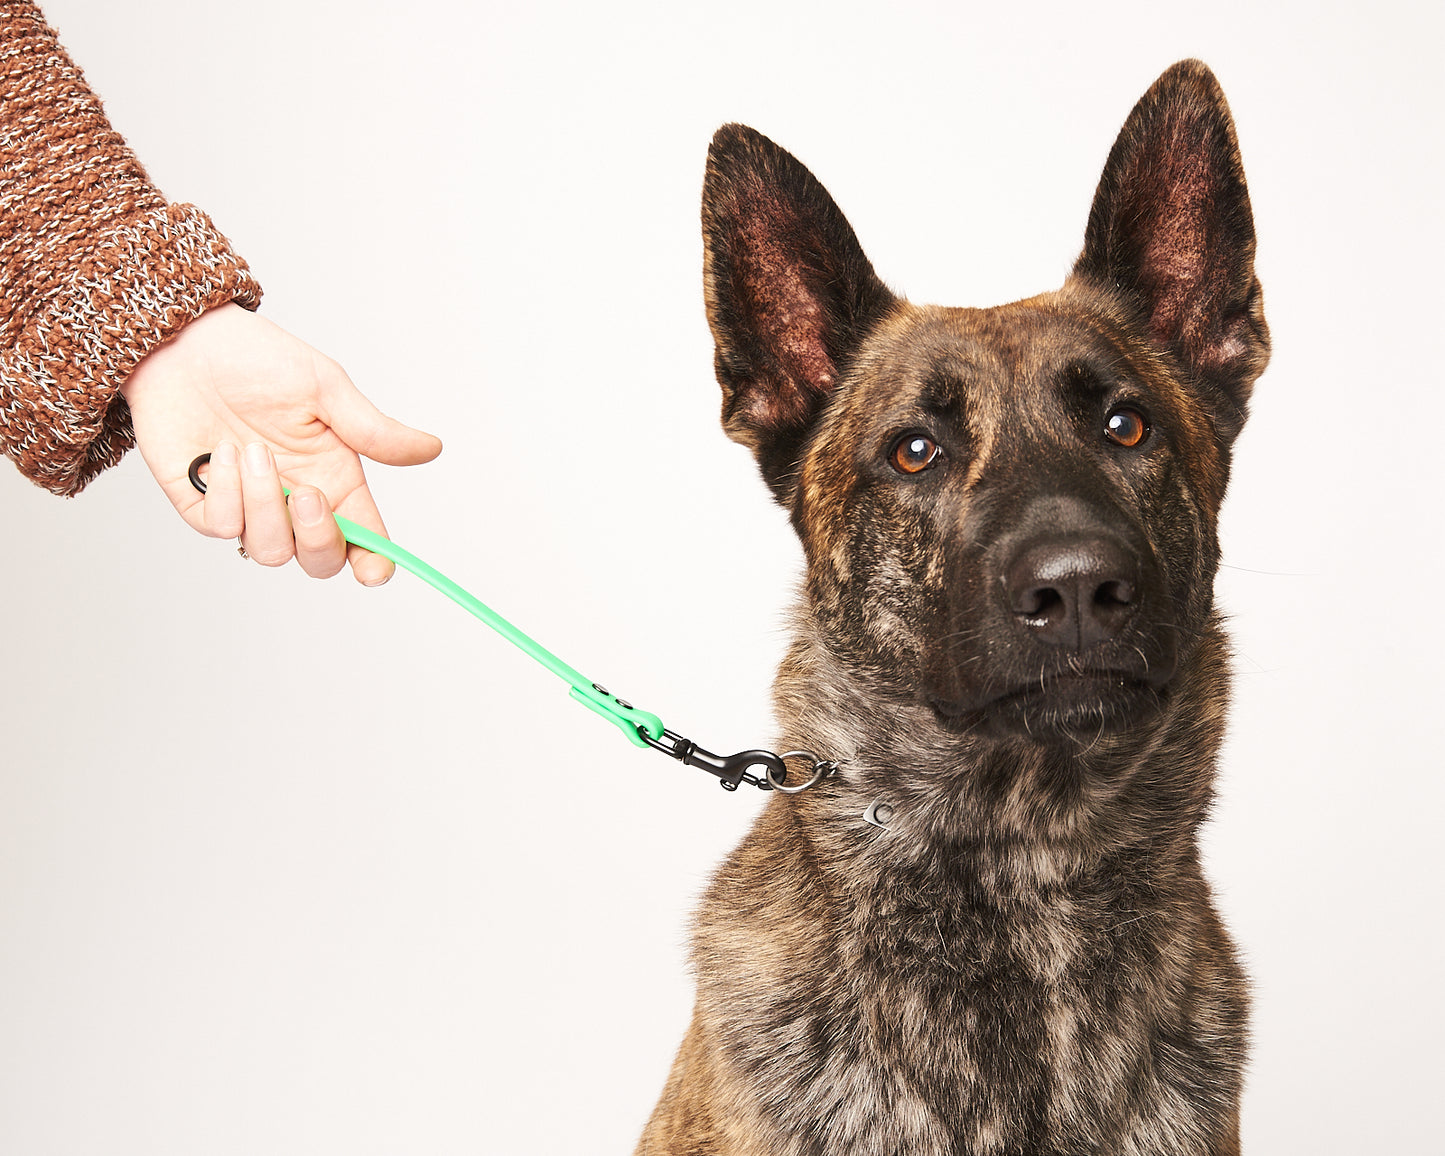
299 867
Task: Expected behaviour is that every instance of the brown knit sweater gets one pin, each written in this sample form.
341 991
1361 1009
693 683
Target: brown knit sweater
96 269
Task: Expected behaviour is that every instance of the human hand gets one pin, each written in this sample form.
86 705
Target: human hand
266 404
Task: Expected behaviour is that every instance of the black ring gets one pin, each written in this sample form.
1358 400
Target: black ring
195 472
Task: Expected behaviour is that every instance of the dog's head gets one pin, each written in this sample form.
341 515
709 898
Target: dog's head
1009 513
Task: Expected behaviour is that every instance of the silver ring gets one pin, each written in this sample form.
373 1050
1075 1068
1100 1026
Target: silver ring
241 550
821 770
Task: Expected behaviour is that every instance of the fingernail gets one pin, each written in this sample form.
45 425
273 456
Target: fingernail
258 460
224 455
306 507
380 580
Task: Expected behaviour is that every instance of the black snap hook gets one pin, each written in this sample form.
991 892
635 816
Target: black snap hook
731 770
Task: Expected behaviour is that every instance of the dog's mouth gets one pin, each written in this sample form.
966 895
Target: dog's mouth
1068 706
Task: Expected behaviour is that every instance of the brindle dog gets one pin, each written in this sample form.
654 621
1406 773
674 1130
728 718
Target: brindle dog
1008 638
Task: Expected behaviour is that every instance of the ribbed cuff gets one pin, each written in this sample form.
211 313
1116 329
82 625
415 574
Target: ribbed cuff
61 414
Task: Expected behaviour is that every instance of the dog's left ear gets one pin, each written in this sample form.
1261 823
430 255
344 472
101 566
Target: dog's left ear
1172 228
790 294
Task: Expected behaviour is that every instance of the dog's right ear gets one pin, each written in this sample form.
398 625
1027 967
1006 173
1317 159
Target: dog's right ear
790 295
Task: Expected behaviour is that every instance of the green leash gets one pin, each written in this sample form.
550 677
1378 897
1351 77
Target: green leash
642 727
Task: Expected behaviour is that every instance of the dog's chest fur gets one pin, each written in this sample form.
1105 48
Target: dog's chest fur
961 1019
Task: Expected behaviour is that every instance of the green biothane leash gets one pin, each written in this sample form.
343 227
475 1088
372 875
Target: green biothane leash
762 769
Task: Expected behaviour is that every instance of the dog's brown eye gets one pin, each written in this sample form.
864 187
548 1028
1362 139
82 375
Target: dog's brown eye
914 453
1126 427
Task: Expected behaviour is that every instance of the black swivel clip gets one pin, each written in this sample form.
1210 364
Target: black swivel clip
731 770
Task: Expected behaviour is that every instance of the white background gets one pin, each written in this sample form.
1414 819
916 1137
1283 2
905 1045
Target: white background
297 867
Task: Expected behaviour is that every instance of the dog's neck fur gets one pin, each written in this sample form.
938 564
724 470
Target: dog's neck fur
1021 813
1053 949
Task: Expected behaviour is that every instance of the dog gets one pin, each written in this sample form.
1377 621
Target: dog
988 932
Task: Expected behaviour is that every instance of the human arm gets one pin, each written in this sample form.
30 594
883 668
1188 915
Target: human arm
122 318
96 269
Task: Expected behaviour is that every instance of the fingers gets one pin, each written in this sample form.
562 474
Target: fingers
276 531
267 531
320 546
244 500
222 508
370 432
368 568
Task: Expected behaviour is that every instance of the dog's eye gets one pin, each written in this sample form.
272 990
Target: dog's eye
913 453
1126 426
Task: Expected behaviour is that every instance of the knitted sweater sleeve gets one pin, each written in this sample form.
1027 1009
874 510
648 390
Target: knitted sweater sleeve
96 269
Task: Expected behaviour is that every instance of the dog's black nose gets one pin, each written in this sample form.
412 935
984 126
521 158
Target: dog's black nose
1073 591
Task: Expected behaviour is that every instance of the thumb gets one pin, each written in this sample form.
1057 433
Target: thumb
372 433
